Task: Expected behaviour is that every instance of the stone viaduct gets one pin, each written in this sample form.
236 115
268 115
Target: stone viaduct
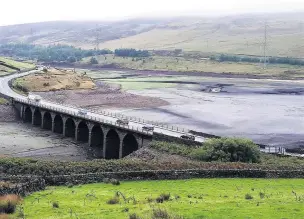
107 141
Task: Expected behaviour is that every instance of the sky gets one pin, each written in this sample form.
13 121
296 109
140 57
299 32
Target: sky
27 11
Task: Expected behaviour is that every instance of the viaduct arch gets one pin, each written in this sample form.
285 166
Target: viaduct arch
106 140
28 115
37 118
47 121
70 128
129 145
58 124
83 132
112 145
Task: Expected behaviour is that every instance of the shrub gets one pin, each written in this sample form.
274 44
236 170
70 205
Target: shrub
134 216
172 148
113 201
159 199
160 214
55 205
228 150
8 203
46 84
165 196
150 200
93 61
115 182
262 195
248 196
72 59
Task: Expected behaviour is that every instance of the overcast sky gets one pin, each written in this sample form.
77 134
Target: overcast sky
25 11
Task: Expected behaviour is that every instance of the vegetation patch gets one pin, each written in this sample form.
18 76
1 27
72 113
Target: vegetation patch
5 69
53 80
8 204
3 101
223 149
219 195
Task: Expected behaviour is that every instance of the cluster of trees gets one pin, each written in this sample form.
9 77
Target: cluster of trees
286 60
131 53
228 150
57 53
272 60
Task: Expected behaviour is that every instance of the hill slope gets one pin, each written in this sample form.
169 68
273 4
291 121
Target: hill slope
233 34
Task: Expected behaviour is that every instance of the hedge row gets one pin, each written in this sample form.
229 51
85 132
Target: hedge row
21 185
21 166
75 179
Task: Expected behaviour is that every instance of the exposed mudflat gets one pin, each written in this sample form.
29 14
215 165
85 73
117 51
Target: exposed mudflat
269 112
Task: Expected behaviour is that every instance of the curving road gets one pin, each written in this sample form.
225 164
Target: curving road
110 119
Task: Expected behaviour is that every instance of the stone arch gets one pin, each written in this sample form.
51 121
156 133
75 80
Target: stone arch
70 128
97 136
28 116
112 145
83 132
37 117
129 145
58 124
47 121
96 143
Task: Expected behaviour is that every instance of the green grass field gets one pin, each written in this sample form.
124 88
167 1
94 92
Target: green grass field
196 198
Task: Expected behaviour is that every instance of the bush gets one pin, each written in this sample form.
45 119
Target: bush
8 204
115 182
55 205
134 216
172 148
262 195
248 196
72 59
165 197
93 61
113 201
160 214
228 150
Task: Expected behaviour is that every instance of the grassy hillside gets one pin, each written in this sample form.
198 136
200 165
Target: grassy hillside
233 34
196 198
183 64
6 70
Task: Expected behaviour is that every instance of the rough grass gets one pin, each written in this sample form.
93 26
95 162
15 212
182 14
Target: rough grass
53 80
8 204
22 65
196 198
242 34
161 63
3 101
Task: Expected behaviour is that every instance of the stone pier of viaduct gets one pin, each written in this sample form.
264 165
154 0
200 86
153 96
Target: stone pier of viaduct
107 141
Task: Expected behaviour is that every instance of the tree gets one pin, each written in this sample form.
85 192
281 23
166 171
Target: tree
71 59
228 150
93 61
